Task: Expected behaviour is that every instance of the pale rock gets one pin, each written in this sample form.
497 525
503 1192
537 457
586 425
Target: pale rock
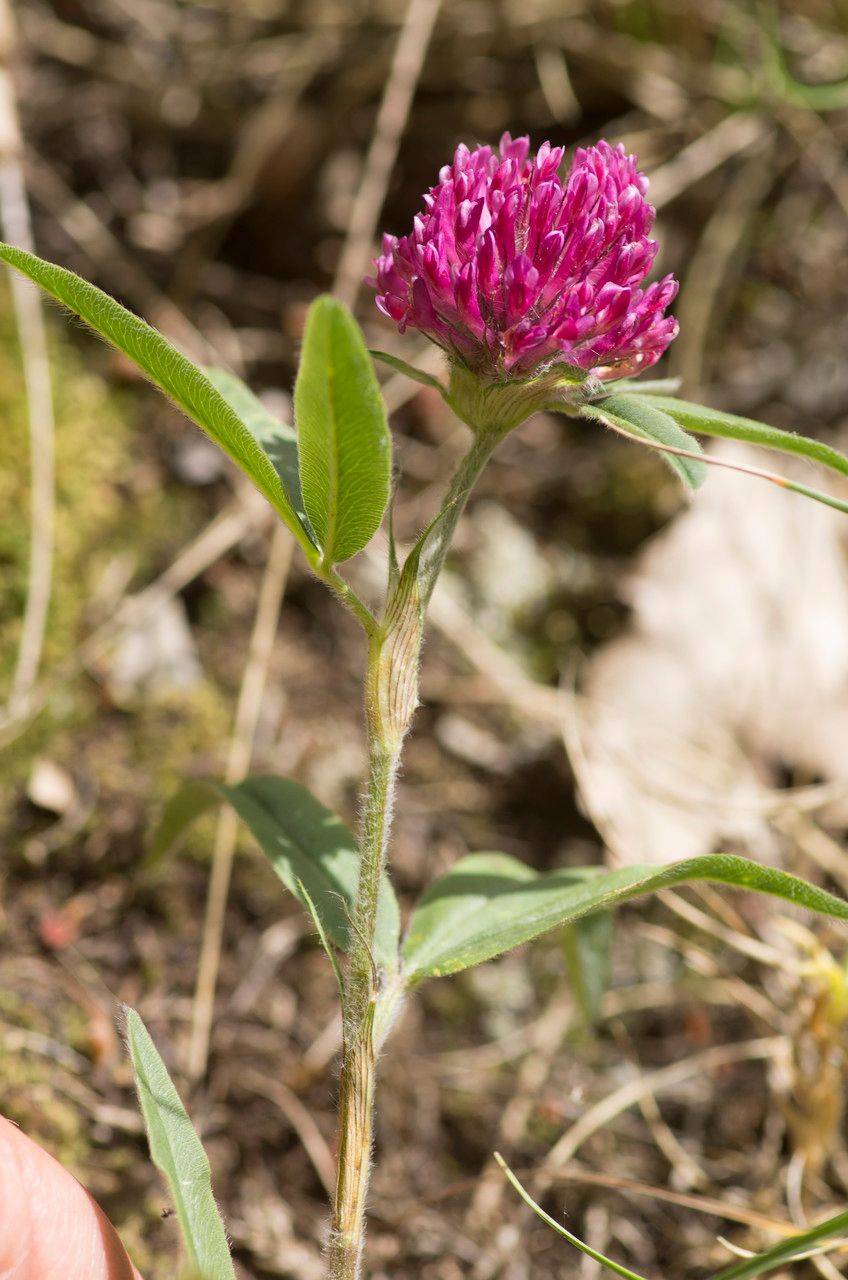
50 787
156 655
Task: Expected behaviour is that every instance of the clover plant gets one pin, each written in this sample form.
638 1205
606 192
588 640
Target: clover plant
534 287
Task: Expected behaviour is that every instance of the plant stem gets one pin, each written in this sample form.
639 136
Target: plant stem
356 1087
347 595
484 445
391 691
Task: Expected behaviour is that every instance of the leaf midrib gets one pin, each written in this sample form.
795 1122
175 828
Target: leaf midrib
721 424
332 457
175 1182
718 868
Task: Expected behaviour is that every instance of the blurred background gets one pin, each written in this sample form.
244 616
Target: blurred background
610 674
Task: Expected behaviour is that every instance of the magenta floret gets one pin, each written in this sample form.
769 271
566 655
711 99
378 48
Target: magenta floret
513 272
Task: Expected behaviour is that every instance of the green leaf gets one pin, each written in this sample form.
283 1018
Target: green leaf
586 945
329 951
276 438
636 417
489 902
417 375
183 381
306 844
615 1267
712 422
785 1250
675 454
178 1153
343 436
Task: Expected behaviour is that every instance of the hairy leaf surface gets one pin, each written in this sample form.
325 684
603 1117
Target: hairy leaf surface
490 902
636 417
276 438
712 422
306 844
178 1153
343 437
185 383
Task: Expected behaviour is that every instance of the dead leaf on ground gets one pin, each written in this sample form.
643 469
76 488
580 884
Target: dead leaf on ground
734 673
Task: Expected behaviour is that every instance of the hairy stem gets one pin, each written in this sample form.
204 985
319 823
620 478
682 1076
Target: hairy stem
391 691
453 506
356 1087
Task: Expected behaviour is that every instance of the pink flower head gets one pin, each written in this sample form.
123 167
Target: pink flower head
513 272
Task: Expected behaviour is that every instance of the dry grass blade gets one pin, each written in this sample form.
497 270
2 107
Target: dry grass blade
628 1095
227 189
391 120
241 745
732 136
547 1038
303 1123
710 1205
16 226
797 1246
708 287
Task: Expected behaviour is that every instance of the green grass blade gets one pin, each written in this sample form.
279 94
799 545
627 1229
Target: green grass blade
171 371
785 1250
178 1153
344 441
561 1230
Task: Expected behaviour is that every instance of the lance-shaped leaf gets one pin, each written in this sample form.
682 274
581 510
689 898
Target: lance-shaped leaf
587 945
712 422
178 1153
306 844
637 417
171 371
489 902
276 438
343 437
680 455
